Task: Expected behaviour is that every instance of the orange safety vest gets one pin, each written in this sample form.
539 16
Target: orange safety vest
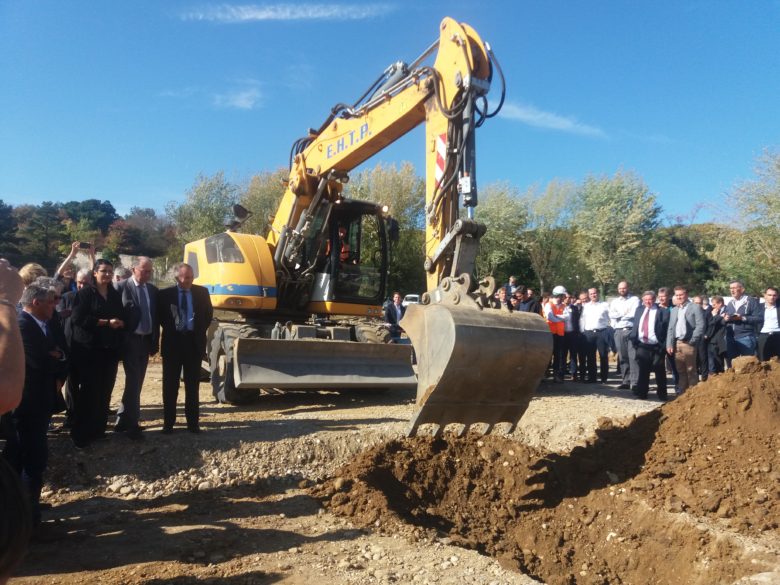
556 327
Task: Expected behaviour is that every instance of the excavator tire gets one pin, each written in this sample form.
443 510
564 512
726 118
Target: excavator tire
221 365
371 333
475 366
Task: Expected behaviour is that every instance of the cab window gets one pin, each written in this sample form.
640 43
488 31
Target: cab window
222 248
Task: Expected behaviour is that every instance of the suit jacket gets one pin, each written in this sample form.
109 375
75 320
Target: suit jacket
694 325
41 370
391 316
751 322
392 320
716 333
132 310
576 313
90 307
168 317
760 315
660 325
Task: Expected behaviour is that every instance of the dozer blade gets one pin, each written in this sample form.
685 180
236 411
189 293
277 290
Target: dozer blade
321 365
475 366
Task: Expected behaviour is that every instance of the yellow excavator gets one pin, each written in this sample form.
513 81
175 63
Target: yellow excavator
301 309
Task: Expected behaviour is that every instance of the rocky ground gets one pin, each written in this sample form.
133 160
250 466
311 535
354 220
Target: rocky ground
306 486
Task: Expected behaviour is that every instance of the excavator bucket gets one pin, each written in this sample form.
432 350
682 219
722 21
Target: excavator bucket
310 364
475 366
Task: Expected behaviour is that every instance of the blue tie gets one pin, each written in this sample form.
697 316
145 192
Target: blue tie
184 311
146 318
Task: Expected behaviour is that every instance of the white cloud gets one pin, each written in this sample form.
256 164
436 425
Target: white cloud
540 119
240 99
230 14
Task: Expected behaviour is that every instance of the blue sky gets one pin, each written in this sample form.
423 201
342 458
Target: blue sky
130 101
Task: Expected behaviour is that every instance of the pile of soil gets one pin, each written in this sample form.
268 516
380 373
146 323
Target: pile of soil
677 495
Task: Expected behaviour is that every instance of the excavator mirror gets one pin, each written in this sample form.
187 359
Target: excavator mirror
241 212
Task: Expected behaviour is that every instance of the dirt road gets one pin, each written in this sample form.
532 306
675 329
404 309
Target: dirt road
233 504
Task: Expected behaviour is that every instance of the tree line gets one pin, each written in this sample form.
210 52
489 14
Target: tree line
598 231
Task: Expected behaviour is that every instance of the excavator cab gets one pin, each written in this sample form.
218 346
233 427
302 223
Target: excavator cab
353 248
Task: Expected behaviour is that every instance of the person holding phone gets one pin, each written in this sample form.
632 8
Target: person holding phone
65 273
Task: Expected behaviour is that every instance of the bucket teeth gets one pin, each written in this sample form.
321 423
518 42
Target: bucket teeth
475 367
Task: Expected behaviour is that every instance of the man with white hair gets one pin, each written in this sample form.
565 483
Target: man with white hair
139 299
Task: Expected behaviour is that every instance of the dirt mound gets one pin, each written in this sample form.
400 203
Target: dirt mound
673 496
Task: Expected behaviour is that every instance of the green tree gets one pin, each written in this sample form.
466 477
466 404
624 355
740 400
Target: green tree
756 211
404 194
83 230
547 239
207 203
615 216
505 215
93 214
147 234
262 197
8 239
41 231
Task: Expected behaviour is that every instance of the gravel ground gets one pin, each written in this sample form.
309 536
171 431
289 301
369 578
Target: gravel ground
231 505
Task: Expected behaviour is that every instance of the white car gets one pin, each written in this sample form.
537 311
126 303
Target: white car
410 300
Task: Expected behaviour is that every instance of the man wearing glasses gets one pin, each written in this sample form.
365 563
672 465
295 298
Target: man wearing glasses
742 318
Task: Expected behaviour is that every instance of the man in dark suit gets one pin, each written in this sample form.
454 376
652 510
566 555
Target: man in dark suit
686 327
46 366
394 312
185 313
648 336
769 326
717 346
139 299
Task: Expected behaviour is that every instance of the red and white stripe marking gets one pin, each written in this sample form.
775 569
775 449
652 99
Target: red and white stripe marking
441 157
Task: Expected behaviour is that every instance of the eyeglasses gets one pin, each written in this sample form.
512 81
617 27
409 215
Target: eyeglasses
106 271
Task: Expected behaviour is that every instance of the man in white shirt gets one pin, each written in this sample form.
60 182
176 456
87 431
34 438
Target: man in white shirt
139 299
621 314
686 327
594 326
769 332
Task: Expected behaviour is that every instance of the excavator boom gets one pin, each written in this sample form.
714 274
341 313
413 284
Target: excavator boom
476 363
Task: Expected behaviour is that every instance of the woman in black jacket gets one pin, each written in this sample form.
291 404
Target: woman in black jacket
96 347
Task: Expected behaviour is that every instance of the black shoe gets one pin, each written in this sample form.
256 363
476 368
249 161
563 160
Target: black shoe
80 445
43 533
120 427
623 387
167 430
135 434
193 429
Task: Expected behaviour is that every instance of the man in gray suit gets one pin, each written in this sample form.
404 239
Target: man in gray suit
139 299
686 327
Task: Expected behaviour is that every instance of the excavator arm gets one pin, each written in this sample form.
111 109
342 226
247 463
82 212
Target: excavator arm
446 97
455 334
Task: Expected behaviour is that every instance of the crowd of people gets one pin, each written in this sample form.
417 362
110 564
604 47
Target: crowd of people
74 330
662 332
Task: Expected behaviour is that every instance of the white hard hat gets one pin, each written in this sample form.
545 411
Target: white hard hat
558 290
